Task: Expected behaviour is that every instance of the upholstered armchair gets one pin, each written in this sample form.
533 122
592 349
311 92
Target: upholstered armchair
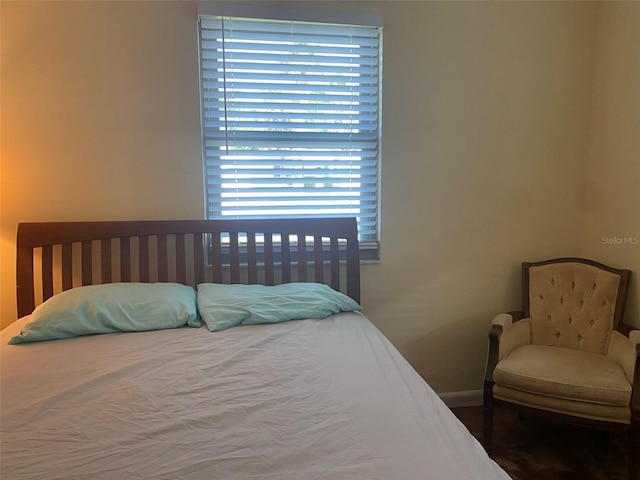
567 355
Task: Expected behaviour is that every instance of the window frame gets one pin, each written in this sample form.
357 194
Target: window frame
370 249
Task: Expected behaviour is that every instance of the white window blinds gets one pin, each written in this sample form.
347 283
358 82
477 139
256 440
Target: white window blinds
291 119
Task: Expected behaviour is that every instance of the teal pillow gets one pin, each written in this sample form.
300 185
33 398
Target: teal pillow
112 307
224 306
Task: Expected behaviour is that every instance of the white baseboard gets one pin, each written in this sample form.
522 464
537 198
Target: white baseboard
468 398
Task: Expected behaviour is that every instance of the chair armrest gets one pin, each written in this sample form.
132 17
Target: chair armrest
506 333
623 350
504 320
627 350
517 335
635 384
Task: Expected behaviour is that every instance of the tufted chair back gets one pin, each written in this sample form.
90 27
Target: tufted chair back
572 303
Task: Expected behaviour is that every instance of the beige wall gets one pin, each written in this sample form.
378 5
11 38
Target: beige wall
100 116
486 132
612 191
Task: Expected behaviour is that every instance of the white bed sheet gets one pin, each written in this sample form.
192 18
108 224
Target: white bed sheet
310 399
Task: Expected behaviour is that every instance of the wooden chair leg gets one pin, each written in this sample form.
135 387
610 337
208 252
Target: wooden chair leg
488 426
634 451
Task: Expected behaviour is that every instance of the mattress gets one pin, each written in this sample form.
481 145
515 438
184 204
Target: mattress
304 399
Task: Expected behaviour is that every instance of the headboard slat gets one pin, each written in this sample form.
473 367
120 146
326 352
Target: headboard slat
216 257
269 272
198 258
163 263
125 259
181 259
87 262
302 258
67 266
24 279
143 258
234 257
252 260
353 271
318 261
105 257
47 272
335 262
285 255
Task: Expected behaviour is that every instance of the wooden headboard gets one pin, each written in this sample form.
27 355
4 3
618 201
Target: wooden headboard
57 256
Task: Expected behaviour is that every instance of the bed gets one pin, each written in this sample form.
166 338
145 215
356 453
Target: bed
302 398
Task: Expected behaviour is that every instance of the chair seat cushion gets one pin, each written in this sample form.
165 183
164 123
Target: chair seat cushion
565 373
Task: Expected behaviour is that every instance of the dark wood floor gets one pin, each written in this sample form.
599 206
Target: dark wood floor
532 449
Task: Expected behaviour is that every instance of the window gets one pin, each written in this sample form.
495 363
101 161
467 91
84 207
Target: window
291 119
